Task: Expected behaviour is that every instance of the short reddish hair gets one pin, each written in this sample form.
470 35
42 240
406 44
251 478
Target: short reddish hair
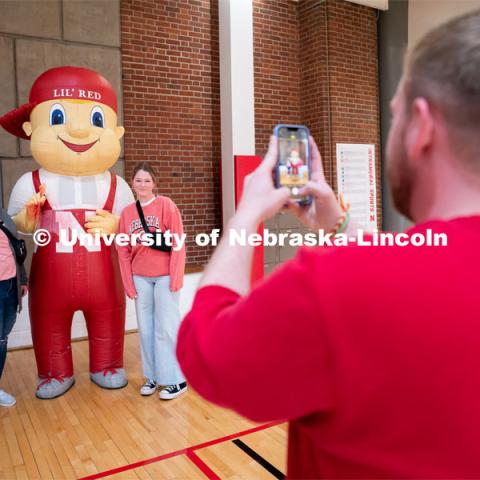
444 68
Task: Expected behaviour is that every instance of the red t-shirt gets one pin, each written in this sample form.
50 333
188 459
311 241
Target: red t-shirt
372 353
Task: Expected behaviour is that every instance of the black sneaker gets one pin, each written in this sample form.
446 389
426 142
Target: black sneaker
173 391
148 387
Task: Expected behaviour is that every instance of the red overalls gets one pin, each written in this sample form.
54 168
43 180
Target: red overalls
64 282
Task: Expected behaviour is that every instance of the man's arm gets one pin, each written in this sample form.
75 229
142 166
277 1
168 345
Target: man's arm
230 265
264 355
254 352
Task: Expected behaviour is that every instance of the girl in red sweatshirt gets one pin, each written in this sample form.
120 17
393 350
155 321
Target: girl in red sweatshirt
153 279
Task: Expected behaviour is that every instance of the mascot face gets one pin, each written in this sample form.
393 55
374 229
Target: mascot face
71 120
74 137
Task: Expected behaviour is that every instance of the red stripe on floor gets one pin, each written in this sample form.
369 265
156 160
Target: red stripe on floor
235 435
176 453
206 470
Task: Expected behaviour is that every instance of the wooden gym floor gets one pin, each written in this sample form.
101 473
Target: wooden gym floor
117 434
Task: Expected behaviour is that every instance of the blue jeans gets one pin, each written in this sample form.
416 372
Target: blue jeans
158 319
8 315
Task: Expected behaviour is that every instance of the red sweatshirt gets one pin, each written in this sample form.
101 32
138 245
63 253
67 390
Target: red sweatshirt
372 353
161 214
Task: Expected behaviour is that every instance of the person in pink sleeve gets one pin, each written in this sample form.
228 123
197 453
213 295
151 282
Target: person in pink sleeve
153 278
13 286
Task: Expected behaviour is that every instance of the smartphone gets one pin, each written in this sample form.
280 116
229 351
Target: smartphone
293 165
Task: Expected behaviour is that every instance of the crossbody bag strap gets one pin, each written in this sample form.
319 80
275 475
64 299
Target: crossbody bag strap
142 217
162 247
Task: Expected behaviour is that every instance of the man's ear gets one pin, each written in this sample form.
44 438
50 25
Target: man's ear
27 128
419 128
119 131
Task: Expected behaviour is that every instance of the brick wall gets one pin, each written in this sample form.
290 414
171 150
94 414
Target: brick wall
314 81
339 80
276 44
171 90
353 71
315 63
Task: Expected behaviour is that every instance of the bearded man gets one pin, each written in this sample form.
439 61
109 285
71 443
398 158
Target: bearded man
372 354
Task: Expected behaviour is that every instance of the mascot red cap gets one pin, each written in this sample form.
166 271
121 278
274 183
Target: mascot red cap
73 83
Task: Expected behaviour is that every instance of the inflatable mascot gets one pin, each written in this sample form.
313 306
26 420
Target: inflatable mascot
71 122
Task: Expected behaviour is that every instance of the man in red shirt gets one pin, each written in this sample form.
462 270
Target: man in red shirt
371 353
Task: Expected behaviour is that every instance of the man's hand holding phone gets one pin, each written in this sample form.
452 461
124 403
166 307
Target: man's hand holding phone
230 265
260 199
324 211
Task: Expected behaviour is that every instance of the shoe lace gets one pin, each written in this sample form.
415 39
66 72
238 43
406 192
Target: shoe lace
149 383
171 388
46 381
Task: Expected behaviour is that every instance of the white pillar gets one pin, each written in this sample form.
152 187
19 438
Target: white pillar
236 91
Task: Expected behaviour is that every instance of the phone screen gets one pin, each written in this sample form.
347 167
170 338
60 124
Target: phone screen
293 164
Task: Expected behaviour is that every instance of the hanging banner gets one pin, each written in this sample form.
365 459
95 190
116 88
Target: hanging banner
356 180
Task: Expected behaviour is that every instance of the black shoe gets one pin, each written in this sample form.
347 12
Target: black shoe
148 388
173 391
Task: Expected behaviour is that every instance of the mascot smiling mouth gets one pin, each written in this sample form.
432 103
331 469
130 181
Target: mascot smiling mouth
79 148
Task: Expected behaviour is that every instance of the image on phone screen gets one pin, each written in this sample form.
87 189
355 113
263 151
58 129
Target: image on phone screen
293 162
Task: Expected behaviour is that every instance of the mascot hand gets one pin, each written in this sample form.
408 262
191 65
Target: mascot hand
35 204
26 220
103 222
